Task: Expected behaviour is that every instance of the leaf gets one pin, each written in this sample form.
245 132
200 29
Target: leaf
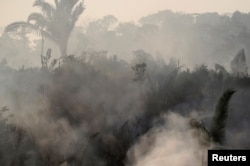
217 132
38 19
15 26
46 8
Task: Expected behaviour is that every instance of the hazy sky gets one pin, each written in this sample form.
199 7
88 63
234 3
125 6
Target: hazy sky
125 10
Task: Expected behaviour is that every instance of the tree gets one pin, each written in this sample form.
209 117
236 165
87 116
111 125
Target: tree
216 133
56 22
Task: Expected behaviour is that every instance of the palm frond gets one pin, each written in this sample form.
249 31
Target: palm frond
39 20
70 4
217 132
56 22
46 8
65 7
77 11
15 26
28 26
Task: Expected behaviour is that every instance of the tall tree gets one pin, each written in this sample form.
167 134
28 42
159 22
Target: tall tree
55 22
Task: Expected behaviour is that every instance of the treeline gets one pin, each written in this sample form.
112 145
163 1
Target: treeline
194 38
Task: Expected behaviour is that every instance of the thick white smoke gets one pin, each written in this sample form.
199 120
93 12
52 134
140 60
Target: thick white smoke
170 144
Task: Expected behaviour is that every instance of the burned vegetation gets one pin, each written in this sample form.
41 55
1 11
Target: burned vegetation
96 108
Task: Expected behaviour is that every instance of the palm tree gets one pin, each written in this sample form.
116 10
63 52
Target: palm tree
56 22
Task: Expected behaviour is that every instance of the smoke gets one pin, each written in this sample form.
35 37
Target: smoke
91 109
172 143
64 111
193 39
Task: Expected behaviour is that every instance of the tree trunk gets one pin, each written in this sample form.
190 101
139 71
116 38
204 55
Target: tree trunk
63 47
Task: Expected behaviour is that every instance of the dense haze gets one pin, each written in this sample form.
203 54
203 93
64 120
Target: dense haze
125 93
192 39
13 10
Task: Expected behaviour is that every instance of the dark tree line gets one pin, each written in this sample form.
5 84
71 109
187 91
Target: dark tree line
92 110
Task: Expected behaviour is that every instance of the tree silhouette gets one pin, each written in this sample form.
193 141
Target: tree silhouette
216 134
56 22
217 131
